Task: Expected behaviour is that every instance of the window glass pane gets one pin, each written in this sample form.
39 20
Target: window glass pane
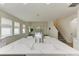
23 28
5 32
16 28
6 21
6 27
16 31
16 24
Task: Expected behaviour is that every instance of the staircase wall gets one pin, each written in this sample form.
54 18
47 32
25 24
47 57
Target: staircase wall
63 25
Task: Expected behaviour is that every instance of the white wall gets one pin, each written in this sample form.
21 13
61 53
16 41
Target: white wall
53 31
74 26
76 39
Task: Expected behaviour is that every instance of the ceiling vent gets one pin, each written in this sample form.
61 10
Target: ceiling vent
73 4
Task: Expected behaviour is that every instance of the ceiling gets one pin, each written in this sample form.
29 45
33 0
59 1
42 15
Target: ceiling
38 11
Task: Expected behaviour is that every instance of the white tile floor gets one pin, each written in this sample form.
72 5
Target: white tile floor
28 46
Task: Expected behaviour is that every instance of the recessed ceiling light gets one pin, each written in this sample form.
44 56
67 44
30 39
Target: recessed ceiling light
68 3
25 3
2 3
48 3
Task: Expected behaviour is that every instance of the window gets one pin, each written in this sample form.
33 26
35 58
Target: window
6 27
29 29
16 28
24 28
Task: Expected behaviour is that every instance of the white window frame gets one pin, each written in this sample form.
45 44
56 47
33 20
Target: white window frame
16 28
6 24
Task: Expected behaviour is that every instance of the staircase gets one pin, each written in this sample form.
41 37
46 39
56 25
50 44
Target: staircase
62 35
